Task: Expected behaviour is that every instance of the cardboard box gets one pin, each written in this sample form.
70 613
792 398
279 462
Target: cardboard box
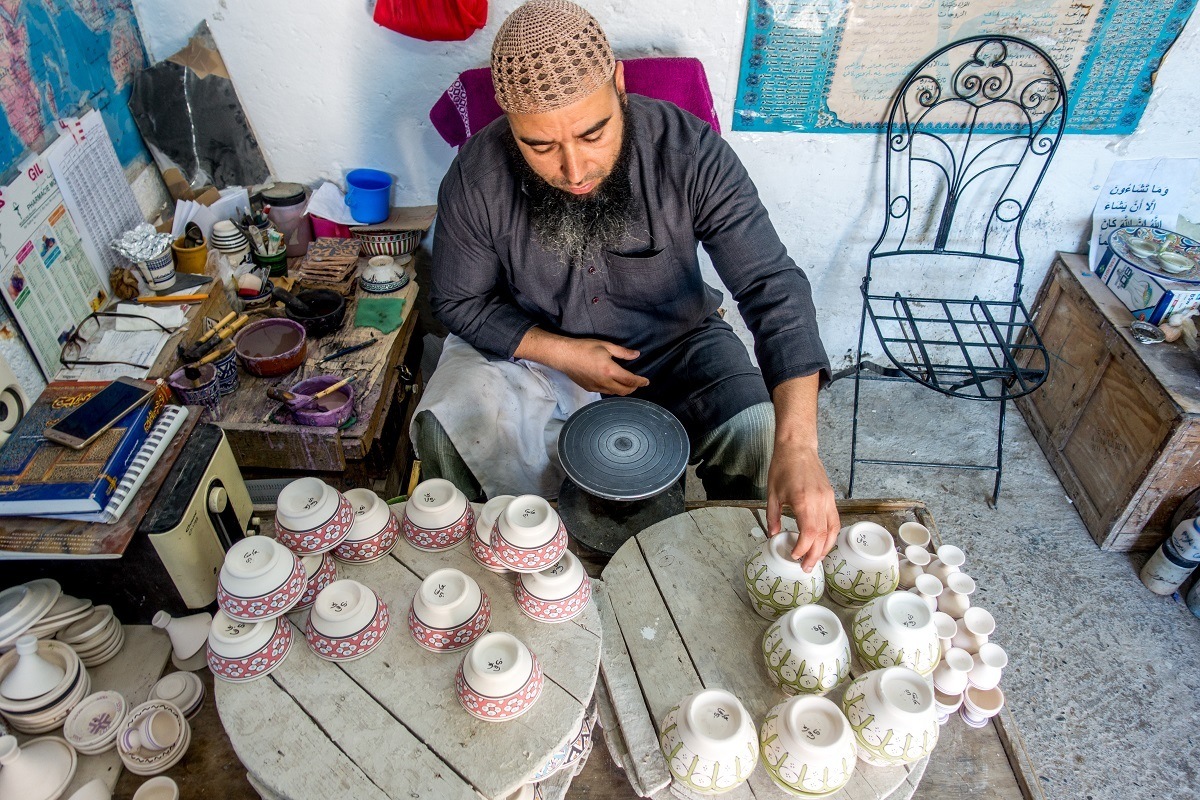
1151 298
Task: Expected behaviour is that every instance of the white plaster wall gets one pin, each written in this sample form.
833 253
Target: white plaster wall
327 90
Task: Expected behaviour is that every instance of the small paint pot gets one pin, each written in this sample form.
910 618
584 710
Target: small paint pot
330 411
190 259
276 264
271 346
204 391
227 373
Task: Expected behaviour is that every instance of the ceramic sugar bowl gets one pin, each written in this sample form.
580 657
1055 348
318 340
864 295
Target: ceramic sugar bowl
896 630
807 651
892 714
449 611
709 742
776 582
808 747
260 580
862 565
437 516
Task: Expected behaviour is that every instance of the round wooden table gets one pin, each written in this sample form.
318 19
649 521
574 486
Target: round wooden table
389 725
679 620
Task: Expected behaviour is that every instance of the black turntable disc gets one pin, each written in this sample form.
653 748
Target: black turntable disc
621 448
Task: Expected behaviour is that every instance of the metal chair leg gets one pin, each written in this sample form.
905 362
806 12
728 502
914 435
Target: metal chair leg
999 456
862 325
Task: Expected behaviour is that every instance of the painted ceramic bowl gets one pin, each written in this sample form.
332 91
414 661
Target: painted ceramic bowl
312 517
329 411
244 651
347 621
528 535
92 726
556 594
499 679
896 630
709 742
806 651
373 534
437 516
892 715
481 535
569 753
776 582
260 580
862 565
382 242
321 570
271 346
449 611
807 745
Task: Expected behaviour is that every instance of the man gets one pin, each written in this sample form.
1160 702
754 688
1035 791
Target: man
565 261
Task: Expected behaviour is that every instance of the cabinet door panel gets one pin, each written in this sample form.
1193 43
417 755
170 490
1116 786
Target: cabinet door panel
1073 335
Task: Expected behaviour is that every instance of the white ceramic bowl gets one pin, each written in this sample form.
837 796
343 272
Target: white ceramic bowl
371 514
240 652
256 566
305 504
435 504
896 630
231 639
862 565
709 742
527 522
93 724
488 515
1175 262
343 608
807 746
775 582
558 581
497 665
913 534
893 717
446 599
806 651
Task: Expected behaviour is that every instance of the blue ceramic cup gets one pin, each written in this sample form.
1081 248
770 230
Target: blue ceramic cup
368 195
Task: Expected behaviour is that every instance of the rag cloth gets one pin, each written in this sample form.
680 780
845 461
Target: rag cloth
384 313
503 417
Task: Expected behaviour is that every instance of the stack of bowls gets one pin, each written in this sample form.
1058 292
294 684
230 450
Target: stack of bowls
227 238
449 611
96 638
154 738
347 621
66 610
93 725
499 679
22 606
31 702
320 570
373 533
481 534
184 690
556 594
312 517
260 580
240 652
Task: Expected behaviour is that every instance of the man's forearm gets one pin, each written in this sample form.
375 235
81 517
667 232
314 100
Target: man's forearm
796 412
543 347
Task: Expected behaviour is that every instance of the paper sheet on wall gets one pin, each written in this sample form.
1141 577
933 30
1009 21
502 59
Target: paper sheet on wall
1150 191
93 185
46 277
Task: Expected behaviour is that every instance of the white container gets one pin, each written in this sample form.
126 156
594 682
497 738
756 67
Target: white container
896 630
914 534
807 746
987 666
497 665
527 522
949 559
807 651
709 742
32 676
446 599
775 582
256 566
40 770
343 608
955 599
371 514
435 504
892 714
910 570
946 627
980 705
1166 570
929 589
1185 539
231 639
488 515
862 564
187 634
556 582
951 676
973 630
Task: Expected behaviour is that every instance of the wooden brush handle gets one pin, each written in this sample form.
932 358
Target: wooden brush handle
220 352
211 331
232 329
333 388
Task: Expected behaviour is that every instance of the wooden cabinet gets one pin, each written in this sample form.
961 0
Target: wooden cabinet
1118 420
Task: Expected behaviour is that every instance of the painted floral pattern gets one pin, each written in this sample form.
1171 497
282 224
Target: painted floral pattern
853 587
325 575
796 675
431 539
876 651
325 536
362 551
499 709
256 664
267 606
350 647
485 555
523 559
878 743
562 610
447 640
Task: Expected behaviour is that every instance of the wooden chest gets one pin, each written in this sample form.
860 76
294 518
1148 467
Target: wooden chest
1118 420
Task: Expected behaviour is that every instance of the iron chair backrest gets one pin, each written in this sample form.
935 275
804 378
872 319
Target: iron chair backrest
970 135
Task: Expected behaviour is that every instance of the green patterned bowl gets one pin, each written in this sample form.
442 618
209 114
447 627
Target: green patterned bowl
775 582
862 565
892 715
709 742
808 747
896 630
807 651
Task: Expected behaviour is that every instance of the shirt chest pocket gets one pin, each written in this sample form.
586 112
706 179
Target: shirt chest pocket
648 278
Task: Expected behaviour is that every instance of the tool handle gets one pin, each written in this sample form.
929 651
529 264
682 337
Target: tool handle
282 395
233 328
333 388
173 298
224 321
345 351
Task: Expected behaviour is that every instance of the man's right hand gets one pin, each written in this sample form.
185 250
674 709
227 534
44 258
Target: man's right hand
588 362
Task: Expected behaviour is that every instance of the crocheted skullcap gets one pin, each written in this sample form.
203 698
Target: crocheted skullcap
548 54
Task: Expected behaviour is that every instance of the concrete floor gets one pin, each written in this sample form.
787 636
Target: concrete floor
1104 677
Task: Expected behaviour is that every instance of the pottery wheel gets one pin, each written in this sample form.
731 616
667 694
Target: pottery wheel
621 448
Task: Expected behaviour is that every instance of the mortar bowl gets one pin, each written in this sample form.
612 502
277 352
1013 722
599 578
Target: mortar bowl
330 411
271 346
328 309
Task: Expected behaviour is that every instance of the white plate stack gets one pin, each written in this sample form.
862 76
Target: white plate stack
49 709
183 690
22 606
96 638
66 610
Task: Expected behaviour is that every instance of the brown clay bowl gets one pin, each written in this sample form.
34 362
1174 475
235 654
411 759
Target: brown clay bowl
271 347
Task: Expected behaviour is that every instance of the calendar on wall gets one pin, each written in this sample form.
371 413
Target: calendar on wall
831 66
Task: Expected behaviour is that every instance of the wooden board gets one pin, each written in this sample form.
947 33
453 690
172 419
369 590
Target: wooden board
389 724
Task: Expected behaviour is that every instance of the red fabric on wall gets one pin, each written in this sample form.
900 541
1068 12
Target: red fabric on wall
432 20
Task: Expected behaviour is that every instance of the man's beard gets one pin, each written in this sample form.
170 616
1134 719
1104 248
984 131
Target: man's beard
576 227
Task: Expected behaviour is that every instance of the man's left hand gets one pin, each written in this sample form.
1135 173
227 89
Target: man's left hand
797 478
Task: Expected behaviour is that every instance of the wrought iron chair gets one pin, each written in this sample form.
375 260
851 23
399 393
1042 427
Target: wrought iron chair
970 134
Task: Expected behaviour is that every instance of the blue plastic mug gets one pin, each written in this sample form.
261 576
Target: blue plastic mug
368 195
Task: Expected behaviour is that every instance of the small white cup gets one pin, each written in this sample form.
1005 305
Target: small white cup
973 630
928 588
949 559
956 599
157 788
950 676
982 704
987 666
946 627
914 534
158 730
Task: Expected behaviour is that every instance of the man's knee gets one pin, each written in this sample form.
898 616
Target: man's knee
736 456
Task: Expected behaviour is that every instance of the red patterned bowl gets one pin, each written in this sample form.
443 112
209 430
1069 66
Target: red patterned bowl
356 645
562 610
448 640
485 555
373 548
434 539
524 559
499 709
256 664
323 575
323 537
267 606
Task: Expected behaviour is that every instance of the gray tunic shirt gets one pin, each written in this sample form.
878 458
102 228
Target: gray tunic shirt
492 281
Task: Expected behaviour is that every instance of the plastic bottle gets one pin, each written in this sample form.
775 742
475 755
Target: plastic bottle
1167 569
286 201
